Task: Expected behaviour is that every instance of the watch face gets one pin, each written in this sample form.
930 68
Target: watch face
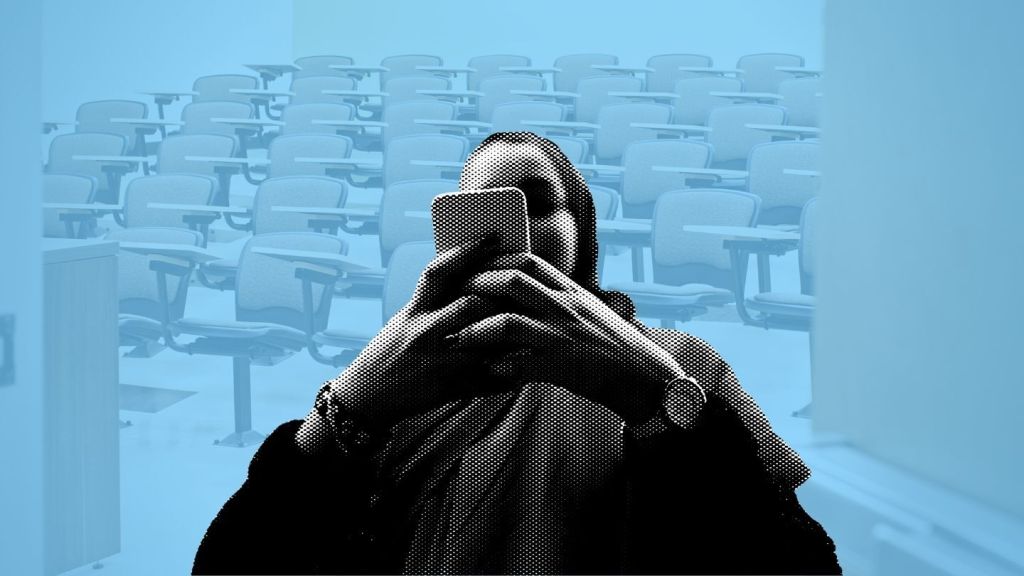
684 399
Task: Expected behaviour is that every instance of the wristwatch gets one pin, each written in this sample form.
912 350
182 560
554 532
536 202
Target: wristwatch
682 401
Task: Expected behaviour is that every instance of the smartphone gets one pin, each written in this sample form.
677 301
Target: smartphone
461 217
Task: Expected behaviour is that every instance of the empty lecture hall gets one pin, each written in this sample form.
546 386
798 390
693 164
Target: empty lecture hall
229 223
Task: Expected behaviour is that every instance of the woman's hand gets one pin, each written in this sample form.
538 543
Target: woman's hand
409 367
551 329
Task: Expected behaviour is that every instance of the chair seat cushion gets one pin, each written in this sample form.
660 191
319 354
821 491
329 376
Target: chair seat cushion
783 303
340 338
139 326
664 294
235 330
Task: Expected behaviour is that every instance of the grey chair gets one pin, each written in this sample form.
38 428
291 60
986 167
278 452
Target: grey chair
98 116
509 116
64 149
218 88
616 131
169 189
575 67
406 65
641 185
284 152
490 65
320 65
271 323
284 191
759 73
143 317
70 189
594 94
692 271
784 310
198 118
802 99
783 196
406 88
497 90
301 118
402 151
177 155
310 90
666 70
695 100
730 136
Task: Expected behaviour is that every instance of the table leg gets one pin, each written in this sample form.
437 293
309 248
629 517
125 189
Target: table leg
637 256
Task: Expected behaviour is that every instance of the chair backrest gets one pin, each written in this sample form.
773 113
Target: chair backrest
695 100
594 91
310 89
731 137
688 257
497 90
759 73
65 147
407 263
404 88
808 244
396 227
666 70
69 188
166 189
284 150
198 116
305 191
490 65
96 117
218 87
801 98
405 65
320 65
137 285
606 202
299 118
641 185
508 116
575 149
782 195
575 67
401 117
616 133
174 149
401 151
266 289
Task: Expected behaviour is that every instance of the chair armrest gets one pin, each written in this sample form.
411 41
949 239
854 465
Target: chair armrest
325 259
713 174
674 129
191 254
545 94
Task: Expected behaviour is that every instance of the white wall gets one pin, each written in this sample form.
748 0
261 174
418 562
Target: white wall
920 319
115 48
545 29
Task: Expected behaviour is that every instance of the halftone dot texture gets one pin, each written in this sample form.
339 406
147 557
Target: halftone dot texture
503 482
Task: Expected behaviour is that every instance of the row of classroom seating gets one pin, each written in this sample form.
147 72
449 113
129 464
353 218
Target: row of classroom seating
333 162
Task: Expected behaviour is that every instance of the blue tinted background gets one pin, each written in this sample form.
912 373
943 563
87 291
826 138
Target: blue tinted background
916 383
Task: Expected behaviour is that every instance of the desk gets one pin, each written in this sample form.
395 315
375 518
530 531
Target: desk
81 462
163 98
270 72
713 174
800 71
788 131
712 71
620 69
802 173
765 97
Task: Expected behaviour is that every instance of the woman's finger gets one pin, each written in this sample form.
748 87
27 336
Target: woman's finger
458 314
447 270
518 286
535 266
508 330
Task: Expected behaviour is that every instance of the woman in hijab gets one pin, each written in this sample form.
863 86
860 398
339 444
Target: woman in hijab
515 417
